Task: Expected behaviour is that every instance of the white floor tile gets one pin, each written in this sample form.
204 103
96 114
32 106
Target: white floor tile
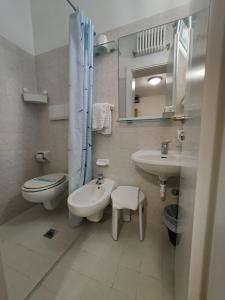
95 267
18 285
25 249
32 220
52 248
105 272
81 261
66 283
168 272
126 281
117 295
97 245
95 291
153 268
114 253
131 258
42 293
25 261
149 288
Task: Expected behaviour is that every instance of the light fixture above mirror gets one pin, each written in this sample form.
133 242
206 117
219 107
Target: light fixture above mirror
155 80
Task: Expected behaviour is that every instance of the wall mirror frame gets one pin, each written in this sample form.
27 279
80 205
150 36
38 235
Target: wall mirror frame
153 67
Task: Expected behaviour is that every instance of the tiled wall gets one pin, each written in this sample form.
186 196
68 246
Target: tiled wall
25 128
19 128
128 138
52 74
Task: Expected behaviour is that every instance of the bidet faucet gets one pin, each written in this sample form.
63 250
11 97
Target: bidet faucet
100 179
165 147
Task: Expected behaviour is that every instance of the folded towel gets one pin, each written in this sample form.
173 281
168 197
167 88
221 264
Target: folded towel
99 114
107 129
102 118
125 197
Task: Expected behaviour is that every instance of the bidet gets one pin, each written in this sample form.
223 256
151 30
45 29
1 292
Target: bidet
90 200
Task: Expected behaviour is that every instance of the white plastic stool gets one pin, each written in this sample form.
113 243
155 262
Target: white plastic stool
120 199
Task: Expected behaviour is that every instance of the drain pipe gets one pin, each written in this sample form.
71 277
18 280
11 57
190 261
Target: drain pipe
162 189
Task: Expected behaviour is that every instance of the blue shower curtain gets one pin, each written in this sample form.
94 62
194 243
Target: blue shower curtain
80 100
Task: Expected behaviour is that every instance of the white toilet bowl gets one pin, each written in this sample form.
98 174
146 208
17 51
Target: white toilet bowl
90 200
48 189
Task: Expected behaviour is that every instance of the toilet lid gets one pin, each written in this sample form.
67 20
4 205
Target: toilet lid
45 181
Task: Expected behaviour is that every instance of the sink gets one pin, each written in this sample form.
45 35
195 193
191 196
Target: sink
153 162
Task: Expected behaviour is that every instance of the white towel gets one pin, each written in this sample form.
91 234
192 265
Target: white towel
102 118
125 197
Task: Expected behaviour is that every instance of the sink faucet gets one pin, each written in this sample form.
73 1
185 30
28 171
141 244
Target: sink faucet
165 147
100 179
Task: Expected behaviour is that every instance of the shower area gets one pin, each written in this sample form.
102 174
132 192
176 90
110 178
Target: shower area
34 110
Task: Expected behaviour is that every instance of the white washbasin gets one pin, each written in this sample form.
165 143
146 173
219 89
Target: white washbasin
153 162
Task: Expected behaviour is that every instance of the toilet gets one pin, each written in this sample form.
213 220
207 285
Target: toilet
49 190
90 200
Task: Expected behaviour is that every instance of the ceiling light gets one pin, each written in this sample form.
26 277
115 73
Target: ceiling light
133 84
154 80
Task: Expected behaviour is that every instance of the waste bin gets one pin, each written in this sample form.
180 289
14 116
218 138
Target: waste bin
171 221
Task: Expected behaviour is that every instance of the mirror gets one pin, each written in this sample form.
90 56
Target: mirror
153 64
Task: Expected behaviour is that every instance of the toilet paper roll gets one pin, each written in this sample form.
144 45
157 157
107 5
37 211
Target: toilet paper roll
40 157
180 135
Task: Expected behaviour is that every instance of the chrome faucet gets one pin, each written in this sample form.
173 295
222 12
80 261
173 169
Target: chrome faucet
100 179
165 147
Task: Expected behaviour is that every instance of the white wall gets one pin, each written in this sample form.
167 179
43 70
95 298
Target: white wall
216 271
207 181
108 14
50 24
3 289
50 17
216 287
190 148
151 106
16 23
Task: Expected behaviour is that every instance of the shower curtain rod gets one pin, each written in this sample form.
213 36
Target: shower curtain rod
71 4
75 9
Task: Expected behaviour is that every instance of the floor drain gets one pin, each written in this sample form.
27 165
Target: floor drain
50 233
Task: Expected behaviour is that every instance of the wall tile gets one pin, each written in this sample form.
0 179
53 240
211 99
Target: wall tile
52 74
19 123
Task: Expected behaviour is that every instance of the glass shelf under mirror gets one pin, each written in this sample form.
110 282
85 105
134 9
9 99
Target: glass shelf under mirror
106 48
143 119
180 118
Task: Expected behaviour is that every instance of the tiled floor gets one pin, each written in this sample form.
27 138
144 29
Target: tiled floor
97 268
27 256
84 263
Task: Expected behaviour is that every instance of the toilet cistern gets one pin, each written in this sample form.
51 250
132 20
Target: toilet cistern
165 147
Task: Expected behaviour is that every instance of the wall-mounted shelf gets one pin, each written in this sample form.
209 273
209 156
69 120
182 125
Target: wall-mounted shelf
35 98
106 48
143 119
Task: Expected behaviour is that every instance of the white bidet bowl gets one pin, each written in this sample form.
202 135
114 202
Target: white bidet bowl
90 200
